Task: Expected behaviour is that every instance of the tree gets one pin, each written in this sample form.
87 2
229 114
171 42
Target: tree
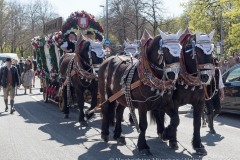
153 13
4 16
19 23
231 10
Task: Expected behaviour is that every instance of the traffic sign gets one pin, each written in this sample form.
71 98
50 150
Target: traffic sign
107 42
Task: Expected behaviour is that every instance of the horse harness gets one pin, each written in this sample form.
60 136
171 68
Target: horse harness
75 67
190 79
146 77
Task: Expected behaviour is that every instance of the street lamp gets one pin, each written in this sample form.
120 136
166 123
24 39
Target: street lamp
102 6
107 19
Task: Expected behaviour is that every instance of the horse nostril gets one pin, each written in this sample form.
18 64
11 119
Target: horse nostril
204 78
171 75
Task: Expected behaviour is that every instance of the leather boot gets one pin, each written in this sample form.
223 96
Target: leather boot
12 107
6 104
210 124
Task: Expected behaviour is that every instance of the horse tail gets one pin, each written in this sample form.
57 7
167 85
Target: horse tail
157 115
153 118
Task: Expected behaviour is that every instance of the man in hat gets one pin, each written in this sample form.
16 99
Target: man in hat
90 35
9 79
69 45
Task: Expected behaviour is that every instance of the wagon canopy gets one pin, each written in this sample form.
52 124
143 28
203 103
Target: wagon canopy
83 21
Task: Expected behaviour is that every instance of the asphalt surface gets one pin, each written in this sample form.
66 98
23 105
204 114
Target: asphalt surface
37 131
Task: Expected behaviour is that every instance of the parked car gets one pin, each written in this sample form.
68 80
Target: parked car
231 80
1 63
4 56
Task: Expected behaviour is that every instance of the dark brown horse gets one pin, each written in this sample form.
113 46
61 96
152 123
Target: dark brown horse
196 72
78 74
153 80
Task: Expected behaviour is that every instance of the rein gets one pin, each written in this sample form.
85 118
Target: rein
78 67
190 79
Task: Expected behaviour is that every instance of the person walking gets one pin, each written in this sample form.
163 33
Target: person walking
9 80
27 76
34 62
213 105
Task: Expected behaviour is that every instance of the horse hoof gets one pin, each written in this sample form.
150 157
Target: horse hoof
66 116
160 136
83 124
105 138
212 130
132 123
201 151
173 145
121 141
145 152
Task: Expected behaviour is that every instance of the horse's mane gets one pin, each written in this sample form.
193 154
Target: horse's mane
189 40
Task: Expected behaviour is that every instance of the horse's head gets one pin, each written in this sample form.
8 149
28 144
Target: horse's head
131 48
164 53
90 53
198 56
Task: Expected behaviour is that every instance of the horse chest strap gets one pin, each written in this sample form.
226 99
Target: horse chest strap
73 72
127 88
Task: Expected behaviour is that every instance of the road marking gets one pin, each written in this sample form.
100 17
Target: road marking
35 98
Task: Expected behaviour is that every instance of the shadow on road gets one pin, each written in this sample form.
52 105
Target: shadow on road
106 151
64 131
224 119
211 139
68 132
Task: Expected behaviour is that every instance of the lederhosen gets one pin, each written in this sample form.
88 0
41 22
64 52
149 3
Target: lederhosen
214 105
71 46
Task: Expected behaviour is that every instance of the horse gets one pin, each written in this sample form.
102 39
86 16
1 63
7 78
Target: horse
79 72
138 83
196 73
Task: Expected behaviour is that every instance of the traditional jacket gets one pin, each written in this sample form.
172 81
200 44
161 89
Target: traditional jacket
4 76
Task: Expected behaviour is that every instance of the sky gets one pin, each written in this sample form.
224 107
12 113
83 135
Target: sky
65 7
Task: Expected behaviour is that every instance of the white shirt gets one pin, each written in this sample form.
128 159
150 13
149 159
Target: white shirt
221 85
64 45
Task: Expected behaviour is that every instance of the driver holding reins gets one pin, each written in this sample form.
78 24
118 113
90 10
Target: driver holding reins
69 45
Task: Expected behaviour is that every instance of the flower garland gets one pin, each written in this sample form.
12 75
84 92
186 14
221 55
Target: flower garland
38 45
53 59
72 22
58 40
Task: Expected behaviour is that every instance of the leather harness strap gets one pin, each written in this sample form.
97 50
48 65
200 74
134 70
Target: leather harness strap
120 93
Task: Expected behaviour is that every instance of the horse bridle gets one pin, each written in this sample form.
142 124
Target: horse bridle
202 69
167 68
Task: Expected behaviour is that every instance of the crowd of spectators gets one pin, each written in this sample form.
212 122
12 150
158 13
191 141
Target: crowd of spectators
227 62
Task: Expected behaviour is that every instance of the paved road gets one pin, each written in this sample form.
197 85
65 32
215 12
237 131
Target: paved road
37 131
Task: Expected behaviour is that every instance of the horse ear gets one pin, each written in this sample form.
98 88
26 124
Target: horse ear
211 34
163 35
179 33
